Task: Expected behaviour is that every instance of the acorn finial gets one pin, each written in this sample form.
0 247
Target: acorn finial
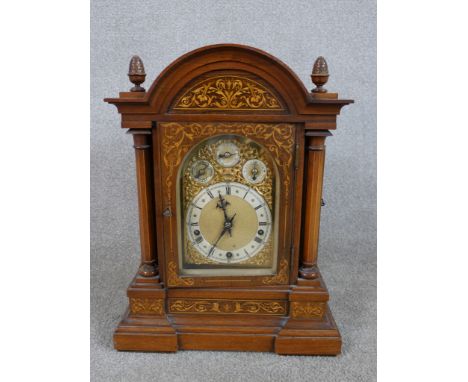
320 75
136 73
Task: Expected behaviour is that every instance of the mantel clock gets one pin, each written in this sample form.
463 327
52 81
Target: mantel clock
229 159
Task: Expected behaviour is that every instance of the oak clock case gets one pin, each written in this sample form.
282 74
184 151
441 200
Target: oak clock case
230 150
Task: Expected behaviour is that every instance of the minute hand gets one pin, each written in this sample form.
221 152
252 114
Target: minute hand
217 241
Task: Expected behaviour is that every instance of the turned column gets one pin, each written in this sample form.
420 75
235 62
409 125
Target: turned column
144 171
314 165
144 174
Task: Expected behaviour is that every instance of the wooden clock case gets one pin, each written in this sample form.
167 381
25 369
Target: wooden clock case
224 89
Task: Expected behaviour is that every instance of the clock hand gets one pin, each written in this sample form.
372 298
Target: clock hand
227 228
217 240
201 171
223 203
229 224
226 154
254 172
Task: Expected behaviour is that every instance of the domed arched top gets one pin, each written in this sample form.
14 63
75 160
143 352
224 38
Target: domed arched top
229 79
256 69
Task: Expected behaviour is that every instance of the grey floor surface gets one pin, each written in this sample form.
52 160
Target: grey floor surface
296 32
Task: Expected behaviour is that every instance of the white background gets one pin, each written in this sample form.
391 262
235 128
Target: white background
422 191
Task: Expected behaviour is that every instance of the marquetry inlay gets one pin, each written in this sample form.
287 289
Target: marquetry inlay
173 278
147 306
228 306
228 93
281 277
302 309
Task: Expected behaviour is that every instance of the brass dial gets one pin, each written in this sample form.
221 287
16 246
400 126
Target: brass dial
228 222
227 153
202 171
254 171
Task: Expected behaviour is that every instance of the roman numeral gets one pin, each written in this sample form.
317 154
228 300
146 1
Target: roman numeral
194 224
228 189
196 206
199 239
258 240
260 206
248 254
246 193
210 194
262 223
211 251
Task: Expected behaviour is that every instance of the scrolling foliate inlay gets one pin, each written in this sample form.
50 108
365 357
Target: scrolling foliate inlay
173 278
228 93
307 310
281 277
146 306
227 306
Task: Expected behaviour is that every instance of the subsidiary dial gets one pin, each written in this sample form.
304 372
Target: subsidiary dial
227 154
202 171
254 171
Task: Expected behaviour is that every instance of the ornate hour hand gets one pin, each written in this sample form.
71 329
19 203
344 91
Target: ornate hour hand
223 203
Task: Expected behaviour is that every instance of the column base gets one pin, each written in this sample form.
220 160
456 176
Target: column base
309 273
